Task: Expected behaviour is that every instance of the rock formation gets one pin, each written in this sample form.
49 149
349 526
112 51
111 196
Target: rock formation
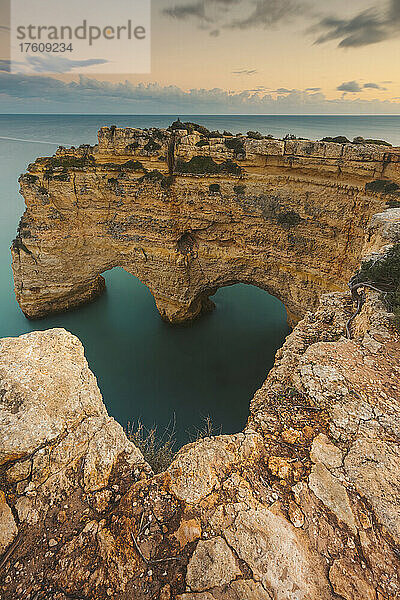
304 504
187 214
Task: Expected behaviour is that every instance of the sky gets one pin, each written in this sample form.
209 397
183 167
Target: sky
235 56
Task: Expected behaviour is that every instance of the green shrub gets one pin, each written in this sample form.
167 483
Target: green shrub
132 146
255 135
152 146
339 139
152 176
289 218
134 165
237 145
239 190
393 203
384 273
361 140
67 162
29 178
190 127
383 186
214 188
215 134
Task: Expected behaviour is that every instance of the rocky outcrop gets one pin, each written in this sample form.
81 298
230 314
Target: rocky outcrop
302 505
188 213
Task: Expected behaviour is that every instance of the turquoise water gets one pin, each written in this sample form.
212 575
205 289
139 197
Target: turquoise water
145 368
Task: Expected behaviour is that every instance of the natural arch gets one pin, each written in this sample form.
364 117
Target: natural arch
287 217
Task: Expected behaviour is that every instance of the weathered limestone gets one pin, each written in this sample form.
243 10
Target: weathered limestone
293 222
304 504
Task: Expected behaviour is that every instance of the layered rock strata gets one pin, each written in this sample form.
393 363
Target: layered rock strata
303 505
187 214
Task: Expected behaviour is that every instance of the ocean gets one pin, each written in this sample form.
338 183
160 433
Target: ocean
147 370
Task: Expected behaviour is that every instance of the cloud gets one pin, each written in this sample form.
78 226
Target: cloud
373 86
349 87
49 63
355 87
23 93
4 29
267 13
245 72
313 89
5 65
367 27
185 11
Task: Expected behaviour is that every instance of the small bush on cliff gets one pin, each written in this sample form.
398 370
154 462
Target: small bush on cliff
215 188
236 144
384 273
190 127
157 450
152 146
239 190
132 146
361 140
66 162
339 139
383 186
255 135
29 178
134 165
289 218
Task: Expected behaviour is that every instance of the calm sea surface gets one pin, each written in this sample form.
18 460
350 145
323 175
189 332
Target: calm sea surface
147 370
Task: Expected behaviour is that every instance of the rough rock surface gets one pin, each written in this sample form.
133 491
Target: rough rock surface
287 216
304 504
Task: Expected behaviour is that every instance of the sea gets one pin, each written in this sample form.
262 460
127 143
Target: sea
173 378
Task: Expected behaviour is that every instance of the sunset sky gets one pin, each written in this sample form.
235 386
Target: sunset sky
240 56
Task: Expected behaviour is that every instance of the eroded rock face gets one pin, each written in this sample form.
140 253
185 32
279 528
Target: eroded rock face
304 504
289 217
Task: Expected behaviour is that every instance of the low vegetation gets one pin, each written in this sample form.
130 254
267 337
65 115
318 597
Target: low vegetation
237 145
205 165
158 450
288 219
341 139
384 273
383 186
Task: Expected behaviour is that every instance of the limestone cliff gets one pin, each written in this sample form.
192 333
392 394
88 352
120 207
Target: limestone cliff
187 214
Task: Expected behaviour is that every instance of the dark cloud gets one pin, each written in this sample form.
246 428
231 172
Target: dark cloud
267 13
198 9
368 27
245 72
373 86
349 86
185 11
313 89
